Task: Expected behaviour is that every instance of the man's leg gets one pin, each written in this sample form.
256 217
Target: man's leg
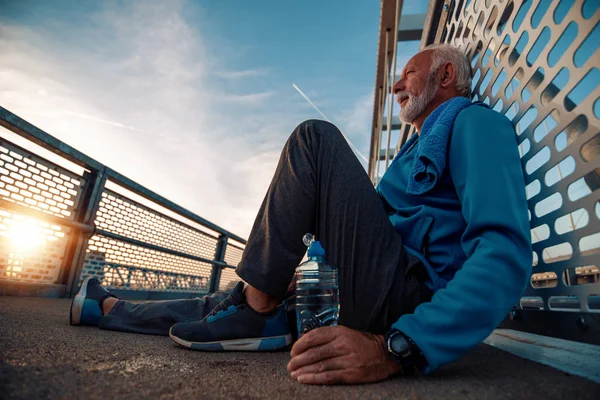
94 305
320 187
157 317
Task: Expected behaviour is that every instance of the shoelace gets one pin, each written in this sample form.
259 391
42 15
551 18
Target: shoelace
222 306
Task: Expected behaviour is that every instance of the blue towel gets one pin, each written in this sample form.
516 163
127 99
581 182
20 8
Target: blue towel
432 145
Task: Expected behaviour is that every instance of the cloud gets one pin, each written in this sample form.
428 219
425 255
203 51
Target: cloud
91 117
247 99
133 88
249 73
355 122
358 117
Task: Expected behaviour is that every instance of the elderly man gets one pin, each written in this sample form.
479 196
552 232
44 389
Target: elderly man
429 262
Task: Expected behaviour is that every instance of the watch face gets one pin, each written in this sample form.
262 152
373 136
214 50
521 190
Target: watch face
399 345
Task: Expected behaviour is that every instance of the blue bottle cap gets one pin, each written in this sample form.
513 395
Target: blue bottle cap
316 250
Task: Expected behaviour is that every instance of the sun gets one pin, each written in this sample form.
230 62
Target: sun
25 236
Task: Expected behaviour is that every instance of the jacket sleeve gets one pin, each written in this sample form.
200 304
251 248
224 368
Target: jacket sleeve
486 170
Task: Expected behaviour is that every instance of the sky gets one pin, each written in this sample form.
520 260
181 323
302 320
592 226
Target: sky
192 99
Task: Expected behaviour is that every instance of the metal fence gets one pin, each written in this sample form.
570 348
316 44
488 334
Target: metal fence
71 217
535 61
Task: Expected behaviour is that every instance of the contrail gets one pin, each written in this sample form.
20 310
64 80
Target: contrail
104 121
310 102
327 119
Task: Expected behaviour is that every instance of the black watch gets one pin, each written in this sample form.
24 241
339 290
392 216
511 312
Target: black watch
404 351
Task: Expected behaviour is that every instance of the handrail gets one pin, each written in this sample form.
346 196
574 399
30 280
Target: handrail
162 249
10 206
49 142
116 177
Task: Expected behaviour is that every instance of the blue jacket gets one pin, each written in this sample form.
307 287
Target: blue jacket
471 231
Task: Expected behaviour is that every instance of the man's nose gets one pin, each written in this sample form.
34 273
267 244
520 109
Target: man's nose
398 87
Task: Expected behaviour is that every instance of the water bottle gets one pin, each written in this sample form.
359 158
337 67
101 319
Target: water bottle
317 295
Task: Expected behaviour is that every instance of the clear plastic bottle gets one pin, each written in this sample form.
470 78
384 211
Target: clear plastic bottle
317 294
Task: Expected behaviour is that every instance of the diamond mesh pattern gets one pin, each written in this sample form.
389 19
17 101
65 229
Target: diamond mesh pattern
537 63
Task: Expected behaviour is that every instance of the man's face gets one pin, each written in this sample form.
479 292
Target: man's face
416 87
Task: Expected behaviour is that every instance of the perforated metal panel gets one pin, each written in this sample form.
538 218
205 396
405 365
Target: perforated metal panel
146 244
36 183
32 250
126 266
121 266
125 217
537 63
228 279
122 253
233 254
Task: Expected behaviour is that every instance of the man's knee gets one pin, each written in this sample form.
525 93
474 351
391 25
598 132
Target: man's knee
317 127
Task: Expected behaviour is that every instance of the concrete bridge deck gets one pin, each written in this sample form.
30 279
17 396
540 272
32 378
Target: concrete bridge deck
42 357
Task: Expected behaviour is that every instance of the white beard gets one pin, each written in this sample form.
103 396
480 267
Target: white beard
415 105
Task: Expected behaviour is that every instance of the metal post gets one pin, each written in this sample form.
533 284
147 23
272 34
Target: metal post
393 82
381 109
215 276
570 276
443 18
405 130
379 133
86 214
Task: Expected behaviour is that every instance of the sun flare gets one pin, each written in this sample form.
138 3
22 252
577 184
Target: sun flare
25 236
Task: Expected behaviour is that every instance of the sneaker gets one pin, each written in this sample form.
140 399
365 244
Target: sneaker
86 307
234 326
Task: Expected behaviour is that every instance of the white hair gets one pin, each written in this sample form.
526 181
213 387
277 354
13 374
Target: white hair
446 53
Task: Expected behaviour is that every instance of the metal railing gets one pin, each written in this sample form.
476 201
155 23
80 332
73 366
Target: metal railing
537 63
71 217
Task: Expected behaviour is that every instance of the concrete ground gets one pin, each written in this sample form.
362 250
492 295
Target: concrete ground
42 357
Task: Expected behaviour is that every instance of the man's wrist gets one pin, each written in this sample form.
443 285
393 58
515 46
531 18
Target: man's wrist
394 368
380 339
404 351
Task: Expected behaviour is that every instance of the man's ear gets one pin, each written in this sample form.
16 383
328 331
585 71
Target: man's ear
448 75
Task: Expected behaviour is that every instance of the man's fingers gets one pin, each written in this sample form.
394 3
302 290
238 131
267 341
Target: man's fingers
327 377
315 355
329 364
314 338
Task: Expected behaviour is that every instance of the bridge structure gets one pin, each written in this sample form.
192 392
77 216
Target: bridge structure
536 62
65 216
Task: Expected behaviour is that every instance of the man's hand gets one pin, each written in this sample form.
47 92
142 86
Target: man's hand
336 354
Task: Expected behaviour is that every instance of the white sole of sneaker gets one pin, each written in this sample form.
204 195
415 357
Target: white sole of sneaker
251 344
77 304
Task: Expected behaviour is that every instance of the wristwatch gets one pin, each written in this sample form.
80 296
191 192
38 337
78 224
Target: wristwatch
404 351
